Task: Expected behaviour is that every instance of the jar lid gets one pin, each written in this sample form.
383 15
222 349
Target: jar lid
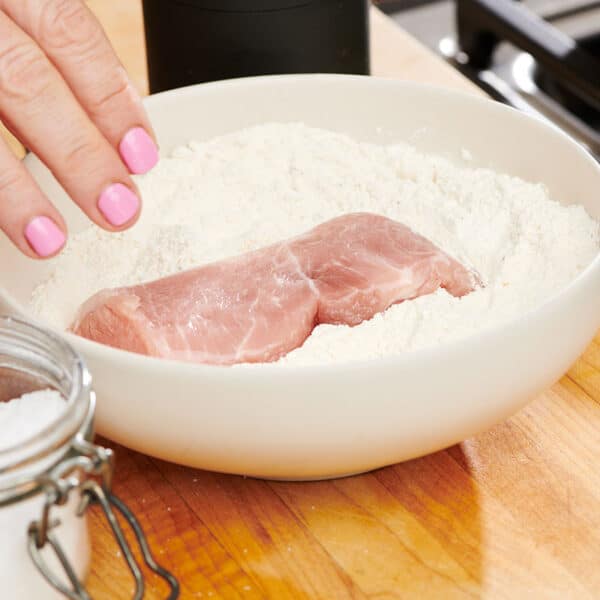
247 6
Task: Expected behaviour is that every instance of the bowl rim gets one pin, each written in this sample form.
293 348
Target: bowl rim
409 358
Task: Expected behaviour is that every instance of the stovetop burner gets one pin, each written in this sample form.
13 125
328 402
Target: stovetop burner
547 73
552 85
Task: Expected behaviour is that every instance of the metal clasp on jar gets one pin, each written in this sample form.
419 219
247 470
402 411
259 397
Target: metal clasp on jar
88 470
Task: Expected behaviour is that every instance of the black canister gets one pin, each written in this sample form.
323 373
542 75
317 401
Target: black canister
193 41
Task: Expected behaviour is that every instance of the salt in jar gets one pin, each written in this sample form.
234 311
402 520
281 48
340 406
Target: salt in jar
50 476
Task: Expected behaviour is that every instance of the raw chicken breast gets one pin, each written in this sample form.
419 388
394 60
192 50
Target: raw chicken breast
259 306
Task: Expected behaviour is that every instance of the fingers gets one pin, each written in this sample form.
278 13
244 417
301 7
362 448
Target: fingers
26 216
37 104
75 42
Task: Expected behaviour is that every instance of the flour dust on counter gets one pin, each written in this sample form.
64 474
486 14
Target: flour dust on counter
252 188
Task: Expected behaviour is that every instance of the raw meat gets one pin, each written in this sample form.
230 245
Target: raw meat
259 306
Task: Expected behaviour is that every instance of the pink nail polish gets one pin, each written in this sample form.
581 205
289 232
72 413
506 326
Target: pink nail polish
138 151
118 204
44 236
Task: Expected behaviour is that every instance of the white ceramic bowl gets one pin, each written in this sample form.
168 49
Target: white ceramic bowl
315 422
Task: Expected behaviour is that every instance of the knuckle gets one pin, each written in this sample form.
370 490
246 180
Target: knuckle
82 155
13 187
113 95
10 181
67 25
24 71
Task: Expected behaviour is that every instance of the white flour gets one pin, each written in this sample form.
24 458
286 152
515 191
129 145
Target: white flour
24 417
251 188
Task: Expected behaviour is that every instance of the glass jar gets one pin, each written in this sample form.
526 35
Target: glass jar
48 480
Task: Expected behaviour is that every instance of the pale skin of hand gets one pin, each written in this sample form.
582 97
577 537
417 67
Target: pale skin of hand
65 95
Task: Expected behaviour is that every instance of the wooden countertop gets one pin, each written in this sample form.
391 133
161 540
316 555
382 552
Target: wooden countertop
512 513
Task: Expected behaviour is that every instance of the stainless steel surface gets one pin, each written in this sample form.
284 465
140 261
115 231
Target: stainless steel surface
431 20
513 76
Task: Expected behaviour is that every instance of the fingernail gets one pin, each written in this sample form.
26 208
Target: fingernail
44 236
118 204
138 151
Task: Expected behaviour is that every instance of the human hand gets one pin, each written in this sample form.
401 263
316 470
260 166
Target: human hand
65 95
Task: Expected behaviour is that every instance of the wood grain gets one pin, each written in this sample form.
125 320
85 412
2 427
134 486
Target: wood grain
509 514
